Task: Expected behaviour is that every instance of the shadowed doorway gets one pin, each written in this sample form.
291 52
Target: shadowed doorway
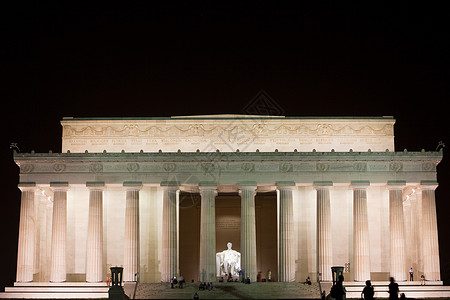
228 216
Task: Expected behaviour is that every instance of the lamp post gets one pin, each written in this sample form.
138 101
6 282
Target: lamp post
116 290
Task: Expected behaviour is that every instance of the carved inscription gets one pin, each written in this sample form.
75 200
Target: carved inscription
228 224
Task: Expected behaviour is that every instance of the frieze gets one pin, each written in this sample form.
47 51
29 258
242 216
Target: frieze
59 168
285 167
322 167
395 166
248 167
428 166
219 164
133 167
169 167
96 168
136 130
26 168
227 134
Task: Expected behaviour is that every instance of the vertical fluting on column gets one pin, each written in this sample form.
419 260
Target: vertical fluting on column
430 244
131 259
286 258
208 194
247 191
59 232
324 241
397 230
169 258
94 244
361 258
26 246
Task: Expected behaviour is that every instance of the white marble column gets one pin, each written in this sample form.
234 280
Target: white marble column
361 257
169 258
247 191
26 247
430 245
59 232
208 192
94 244
324 241
131 259
286 258
397 230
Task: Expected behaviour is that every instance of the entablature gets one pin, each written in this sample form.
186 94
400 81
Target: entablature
228 167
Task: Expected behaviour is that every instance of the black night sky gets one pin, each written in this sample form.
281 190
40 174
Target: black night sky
66 58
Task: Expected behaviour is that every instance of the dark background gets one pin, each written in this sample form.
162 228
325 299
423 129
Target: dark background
152 59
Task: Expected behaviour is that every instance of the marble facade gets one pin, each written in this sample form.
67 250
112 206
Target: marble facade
342 195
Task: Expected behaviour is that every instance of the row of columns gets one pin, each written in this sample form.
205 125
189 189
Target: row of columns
361 246
208 191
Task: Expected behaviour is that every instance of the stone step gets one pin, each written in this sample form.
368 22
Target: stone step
61 290
48 289
411 289
54 295
65 284
256 290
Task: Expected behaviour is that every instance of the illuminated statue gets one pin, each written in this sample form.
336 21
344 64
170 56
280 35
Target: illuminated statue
228 261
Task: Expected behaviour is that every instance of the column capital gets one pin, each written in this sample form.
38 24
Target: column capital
95 185
132 185
285 185
59 186
170 185
207 186
360 184
396 184
323 185
248 185
27 186
428 185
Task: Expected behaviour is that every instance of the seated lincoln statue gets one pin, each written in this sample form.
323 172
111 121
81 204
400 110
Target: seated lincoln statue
228 261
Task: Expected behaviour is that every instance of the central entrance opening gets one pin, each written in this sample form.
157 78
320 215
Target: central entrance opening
228 229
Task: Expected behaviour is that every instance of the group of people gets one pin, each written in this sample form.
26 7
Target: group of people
411 277
229 279
338 290
208 286
174 281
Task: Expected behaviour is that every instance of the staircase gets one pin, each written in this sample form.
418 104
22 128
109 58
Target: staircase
411 289
256 290
225 290
49 290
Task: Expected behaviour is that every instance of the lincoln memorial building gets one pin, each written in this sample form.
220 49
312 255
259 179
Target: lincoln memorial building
163 196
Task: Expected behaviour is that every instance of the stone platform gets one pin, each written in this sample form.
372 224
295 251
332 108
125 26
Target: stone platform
50 290
232 290
257 290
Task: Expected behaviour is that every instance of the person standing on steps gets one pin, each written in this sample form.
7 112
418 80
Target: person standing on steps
368 291
393 289
411 274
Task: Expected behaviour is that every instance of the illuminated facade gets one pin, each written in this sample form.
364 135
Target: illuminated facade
161 196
